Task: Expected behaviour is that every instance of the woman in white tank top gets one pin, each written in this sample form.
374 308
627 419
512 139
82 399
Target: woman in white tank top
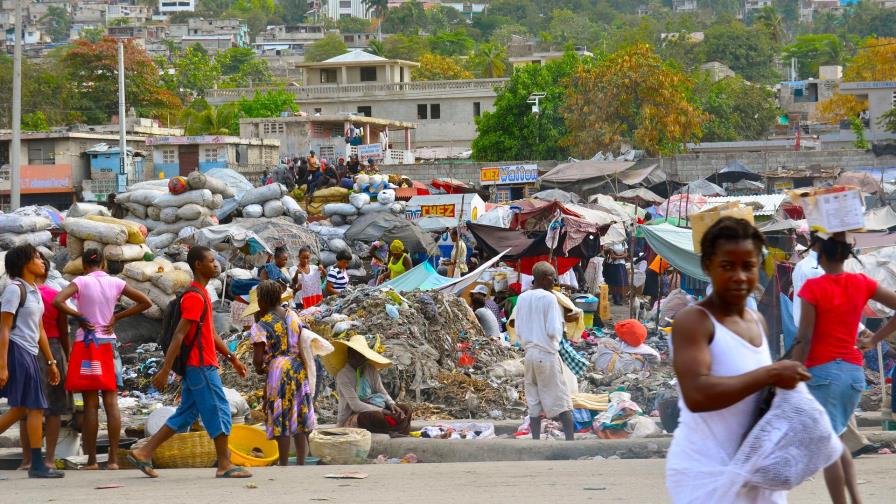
722 362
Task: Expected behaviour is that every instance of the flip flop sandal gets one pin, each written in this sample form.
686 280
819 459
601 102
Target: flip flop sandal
48 474
145 467
233 471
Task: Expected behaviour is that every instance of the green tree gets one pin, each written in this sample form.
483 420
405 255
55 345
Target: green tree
813 51
233 59
212 8
888 120
35 121
58 22
435 67
858 130
293 11
409 18
91 72
567 27
378 9
240 67
268 104
353 25
772 22
377 48
119 21
405 47
91 34
750 52
504 35
737 109
328 47
453 43
631 97
194 73
441 18
490 61
512 131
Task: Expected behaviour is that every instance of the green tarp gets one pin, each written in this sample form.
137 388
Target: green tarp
675 245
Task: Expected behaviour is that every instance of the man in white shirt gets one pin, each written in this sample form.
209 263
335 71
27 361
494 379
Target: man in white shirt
539 324
804 270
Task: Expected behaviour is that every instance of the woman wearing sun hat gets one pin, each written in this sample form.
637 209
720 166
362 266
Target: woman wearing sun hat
363 400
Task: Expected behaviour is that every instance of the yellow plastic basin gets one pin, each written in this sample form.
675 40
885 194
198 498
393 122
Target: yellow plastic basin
244 440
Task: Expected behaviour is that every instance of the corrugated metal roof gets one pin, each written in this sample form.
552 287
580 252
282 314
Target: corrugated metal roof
770 202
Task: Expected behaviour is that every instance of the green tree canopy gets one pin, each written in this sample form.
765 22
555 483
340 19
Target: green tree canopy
325 48
512 131
737 109
749 51
58 22
813 51
405 47
353 25
453 43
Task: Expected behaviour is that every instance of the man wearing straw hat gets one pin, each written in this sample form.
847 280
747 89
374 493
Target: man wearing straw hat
363 400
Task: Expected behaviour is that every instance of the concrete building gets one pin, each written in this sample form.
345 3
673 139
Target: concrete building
684 5
55 166
468 9
180 155
135 14
753 5
281 40
358 40
444 111
174 6
802 97
337 9
881 97
209 30
717 71
89 13
357 67
542 58
387 141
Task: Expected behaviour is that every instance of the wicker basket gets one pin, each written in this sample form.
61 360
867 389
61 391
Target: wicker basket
193 449
340 446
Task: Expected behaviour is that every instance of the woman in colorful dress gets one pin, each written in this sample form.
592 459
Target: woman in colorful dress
276 338
307 280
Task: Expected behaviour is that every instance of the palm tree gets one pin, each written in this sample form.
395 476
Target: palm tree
378 8
200 118
769 19
376 48
491 60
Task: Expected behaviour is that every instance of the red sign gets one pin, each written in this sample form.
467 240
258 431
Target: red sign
43 179
437 210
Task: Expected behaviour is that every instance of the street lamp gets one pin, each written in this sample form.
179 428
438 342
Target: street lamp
534 99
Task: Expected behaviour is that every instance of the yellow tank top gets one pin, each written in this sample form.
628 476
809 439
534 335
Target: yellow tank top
397 269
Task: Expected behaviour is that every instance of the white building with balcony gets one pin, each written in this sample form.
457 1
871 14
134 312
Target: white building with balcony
174 6
337 9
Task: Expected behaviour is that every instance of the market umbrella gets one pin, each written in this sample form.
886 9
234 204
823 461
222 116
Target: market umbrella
702 187
863 180
640 194
387 226
734 171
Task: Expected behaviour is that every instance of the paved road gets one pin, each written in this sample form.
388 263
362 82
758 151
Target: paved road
636 481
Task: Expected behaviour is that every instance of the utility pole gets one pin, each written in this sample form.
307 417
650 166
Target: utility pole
15 188
122 140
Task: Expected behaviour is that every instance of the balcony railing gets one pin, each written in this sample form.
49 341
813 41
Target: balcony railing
360 90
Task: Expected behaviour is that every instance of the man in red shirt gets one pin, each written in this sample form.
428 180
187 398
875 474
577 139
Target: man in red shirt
203 393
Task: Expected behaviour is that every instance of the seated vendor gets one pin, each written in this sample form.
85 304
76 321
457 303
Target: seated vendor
363 400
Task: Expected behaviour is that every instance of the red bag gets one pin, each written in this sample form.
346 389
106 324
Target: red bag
91 366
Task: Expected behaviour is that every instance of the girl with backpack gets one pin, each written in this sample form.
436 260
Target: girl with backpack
22 342
96 294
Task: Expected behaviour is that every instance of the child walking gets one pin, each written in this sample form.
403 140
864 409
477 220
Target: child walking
276 338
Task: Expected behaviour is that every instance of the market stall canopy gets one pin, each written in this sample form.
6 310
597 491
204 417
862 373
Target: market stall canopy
424 277
880 219
228 236
763 204
577 241
557 195
863 180
451 186
583 170
682 205
702 187
388 226
640 194
647 176
620 209
733 172
537 214
676 246
747 186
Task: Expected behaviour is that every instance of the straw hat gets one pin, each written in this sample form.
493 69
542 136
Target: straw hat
253 307
335 360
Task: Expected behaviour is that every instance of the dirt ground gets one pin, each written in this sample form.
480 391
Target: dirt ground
635 481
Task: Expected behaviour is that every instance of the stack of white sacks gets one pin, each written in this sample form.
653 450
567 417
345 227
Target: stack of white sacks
271 201
161 280
91 227
168 216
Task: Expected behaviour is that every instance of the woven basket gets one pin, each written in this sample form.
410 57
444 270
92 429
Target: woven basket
340 446
193 449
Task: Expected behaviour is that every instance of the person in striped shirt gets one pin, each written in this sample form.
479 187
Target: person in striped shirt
337 277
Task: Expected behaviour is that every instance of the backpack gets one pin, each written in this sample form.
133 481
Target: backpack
22 297
170 319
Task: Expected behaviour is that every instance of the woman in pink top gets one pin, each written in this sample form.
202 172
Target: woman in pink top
96 294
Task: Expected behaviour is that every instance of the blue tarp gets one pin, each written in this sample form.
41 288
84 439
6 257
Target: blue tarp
676 246
423 277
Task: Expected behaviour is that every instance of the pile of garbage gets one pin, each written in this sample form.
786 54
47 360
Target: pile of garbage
271 201
175 207
439 353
